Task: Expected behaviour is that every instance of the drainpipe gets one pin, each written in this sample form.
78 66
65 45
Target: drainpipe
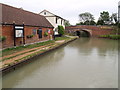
14 34
23 33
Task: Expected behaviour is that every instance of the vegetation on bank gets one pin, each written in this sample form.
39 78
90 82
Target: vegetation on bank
115 37
15 55
115 34
9 51
61 30
62 38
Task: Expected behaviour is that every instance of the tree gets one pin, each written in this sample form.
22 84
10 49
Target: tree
92 23
89 23
114 17
100 22
104 16
67 23
61 30
81 23
86 17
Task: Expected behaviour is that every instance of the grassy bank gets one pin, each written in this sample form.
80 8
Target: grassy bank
14 55
62 38
114 37
9 51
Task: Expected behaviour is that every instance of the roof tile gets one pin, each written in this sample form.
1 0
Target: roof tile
19 16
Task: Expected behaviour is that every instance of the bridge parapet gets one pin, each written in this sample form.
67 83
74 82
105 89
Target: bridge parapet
93 30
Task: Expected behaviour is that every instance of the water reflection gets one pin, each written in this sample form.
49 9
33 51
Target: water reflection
102 46
84 63
32 68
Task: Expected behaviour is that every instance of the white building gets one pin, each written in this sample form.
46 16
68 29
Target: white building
119 11
54 20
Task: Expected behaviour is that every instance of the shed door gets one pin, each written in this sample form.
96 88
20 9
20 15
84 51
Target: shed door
40 33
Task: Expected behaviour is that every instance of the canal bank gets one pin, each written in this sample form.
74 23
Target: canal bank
83 63
28 58
114 37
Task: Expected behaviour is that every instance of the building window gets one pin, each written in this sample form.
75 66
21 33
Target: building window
39 32
61 21
44 13
34 31
56 20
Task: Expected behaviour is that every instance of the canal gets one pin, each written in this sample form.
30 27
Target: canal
83 63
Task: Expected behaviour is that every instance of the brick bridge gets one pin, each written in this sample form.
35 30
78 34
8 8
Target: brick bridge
94 31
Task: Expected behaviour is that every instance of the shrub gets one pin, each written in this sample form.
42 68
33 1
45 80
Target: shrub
118 25
46 34
30 36
2 38
61 30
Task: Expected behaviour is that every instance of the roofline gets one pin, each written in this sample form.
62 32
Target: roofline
56 16
28 12
53 14
20 9
25 25
47 11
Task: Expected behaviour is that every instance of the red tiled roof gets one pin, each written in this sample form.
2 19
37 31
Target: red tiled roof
11 14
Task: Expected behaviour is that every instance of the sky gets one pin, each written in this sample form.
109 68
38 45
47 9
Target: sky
67 9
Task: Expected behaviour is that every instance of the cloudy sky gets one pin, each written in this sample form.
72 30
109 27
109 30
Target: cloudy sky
68 9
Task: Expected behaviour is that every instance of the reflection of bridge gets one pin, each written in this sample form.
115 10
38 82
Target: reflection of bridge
89 30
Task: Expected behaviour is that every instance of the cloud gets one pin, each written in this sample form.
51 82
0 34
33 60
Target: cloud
68 9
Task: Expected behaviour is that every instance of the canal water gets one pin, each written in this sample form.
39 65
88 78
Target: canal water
83 63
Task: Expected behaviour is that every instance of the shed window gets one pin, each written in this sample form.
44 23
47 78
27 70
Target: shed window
34 31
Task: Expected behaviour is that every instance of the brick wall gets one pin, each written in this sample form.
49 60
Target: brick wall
8 32
96 30
100 32
35 38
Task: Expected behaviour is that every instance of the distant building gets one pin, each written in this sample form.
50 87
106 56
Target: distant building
22 27
53 19
119 11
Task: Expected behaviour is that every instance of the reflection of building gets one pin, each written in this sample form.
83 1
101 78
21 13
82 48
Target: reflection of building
53 19
119 11
23 27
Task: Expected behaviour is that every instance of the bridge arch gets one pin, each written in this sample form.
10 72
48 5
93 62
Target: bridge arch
83 33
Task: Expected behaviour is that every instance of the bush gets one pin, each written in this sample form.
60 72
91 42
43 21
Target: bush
2 38
30 36
61 30
118 25
114 36
46 34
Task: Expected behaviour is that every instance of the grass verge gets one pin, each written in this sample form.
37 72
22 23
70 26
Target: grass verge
115 37
10 51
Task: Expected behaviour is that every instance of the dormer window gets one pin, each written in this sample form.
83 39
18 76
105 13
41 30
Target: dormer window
44 13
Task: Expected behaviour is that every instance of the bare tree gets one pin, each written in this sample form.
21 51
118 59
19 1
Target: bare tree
86 17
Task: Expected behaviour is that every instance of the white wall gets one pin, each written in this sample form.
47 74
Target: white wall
47 14
52 20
